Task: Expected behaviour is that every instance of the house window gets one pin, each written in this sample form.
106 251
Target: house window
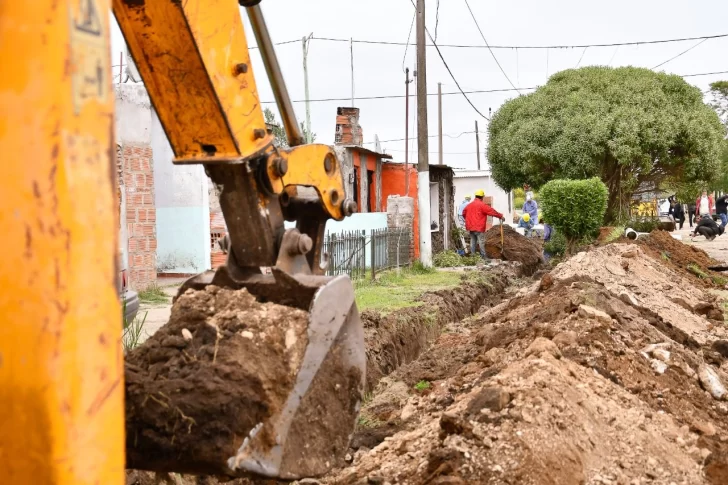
434 207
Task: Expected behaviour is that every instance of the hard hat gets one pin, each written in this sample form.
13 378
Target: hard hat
468 197
479 193
526 217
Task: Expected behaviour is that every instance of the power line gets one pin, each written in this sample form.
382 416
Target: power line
471 46
401 96
489 49
404 58
683 52
437 18
448 69
582 57
430 136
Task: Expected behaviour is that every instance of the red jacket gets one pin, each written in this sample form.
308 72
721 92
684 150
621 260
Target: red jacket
476 214
711 205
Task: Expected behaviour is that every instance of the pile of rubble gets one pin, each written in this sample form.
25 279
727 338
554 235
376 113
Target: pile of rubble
610 370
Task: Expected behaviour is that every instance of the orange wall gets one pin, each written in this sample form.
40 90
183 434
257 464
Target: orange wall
393 183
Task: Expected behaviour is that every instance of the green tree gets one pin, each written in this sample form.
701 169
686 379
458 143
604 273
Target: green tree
719 91
281 140
632 127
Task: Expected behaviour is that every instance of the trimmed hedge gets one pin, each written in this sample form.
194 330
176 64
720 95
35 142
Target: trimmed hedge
575 208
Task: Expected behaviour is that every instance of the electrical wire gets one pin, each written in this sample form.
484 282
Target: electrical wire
404 58
474 91
430 136
471 46
448 69
489 49
582 57
683 52
437 18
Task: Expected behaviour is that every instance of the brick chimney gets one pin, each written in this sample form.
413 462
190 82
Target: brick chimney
348 130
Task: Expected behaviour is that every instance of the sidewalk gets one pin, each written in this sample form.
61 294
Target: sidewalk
716 249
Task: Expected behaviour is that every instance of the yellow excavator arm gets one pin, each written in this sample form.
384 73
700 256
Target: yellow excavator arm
61 362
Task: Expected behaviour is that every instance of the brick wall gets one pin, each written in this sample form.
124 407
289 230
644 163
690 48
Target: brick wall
141 214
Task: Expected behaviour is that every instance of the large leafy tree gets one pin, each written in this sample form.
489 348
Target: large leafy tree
719 91
632 127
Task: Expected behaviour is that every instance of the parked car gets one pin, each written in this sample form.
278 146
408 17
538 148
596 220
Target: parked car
129 298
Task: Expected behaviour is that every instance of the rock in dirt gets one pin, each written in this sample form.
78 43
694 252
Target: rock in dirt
565 339
721 346
703 427
492 398
587 311
541 345
711 382
191 403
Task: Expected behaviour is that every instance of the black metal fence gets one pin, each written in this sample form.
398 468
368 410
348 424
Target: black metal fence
360 254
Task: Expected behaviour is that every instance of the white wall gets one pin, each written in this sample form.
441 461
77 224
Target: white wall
183 209
466 182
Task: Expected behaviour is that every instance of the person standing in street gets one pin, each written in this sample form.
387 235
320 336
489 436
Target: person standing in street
678 213
476 215
691 213
463 204
721 208
704 205
530 207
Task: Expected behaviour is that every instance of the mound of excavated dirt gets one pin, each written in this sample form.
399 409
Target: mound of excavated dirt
679 256
597 375
222 364
515 247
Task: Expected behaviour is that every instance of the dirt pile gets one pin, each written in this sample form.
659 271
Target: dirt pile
605 372
221 365
682 257
515 247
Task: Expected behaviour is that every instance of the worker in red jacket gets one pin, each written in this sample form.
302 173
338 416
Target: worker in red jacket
476 214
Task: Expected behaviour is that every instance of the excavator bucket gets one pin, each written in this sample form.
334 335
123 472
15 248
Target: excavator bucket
246 409
311 429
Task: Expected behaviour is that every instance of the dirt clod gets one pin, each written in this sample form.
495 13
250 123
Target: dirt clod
515 247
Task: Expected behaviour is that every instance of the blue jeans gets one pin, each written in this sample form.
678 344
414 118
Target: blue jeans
723 219
479 238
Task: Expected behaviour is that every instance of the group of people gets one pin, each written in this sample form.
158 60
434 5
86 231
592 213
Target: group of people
701 211
473 216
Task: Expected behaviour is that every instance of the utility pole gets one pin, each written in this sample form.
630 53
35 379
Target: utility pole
423 166
477 143
439 119
406 132
351 52
305 42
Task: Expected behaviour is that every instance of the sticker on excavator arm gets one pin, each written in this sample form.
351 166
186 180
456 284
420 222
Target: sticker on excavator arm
89 51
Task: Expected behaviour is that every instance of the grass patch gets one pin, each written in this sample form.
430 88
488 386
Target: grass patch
697 271
365 421
153 294
133 332
392 291
422 386
665 255
616 233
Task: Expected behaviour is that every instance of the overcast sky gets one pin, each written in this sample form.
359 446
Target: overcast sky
378 68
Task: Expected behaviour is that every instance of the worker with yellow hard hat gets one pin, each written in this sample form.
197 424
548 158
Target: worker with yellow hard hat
476 215
527 223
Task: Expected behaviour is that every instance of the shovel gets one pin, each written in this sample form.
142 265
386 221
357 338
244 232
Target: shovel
503 247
